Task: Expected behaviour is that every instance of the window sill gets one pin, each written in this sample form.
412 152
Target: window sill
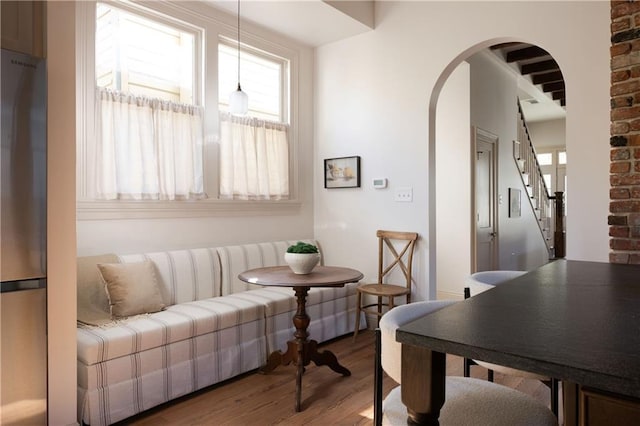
104 210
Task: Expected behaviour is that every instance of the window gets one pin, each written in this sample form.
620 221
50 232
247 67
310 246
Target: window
547 182
264 77
553 166
562 157
254 151
149 141
110 75
545 159
142 56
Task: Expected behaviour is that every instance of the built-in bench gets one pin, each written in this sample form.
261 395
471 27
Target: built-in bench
214 327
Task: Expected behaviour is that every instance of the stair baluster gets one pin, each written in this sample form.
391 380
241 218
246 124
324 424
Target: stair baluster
537 192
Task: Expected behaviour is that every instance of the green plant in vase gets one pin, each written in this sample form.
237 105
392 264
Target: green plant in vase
302 257
301 247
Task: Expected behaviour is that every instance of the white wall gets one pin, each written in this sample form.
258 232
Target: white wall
549 133
453 195
144 235
494 109
375 91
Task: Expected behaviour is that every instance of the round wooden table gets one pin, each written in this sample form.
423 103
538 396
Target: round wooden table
301 350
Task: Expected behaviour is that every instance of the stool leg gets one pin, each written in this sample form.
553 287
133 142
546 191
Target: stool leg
377 382
554 396
358 310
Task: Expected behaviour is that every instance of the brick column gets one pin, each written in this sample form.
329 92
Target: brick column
624 206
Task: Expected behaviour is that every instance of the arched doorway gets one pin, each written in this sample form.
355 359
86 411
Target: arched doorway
481 93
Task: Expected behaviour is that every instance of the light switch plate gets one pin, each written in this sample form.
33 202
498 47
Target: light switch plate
404 194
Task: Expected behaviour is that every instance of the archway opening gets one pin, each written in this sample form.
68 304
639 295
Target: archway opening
485 95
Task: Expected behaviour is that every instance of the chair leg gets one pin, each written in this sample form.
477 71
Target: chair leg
467 367
554 396
379 310
490 375
358 311
377 381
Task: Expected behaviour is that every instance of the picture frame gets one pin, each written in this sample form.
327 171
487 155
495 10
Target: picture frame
342 172
514 203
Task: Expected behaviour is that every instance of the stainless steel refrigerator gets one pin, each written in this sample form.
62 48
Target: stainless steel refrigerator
23 240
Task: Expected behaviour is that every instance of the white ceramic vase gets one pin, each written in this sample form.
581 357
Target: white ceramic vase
302 263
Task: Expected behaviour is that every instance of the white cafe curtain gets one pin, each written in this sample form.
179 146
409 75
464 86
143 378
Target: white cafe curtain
148 149
254 159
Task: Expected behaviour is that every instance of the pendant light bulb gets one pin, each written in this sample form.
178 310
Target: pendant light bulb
238 100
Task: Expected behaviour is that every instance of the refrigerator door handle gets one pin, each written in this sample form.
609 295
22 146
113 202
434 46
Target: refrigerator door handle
19 285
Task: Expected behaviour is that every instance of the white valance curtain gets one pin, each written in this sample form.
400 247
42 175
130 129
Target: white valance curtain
254 159
148 149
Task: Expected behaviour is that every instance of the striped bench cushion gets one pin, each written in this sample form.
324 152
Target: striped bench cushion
184 275
176 323
278 300
113 390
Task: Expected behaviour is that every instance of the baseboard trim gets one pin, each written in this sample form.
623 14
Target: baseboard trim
372 320
447 295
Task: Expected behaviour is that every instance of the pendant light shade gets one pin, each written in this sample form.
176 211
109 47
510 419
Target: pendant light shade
238 100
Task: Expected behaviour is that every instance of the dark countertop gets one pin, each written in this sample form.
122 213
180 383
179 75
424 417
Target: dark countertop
572 320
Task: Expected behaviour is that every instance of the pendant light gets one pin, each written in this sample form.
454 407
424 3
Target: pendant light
238 100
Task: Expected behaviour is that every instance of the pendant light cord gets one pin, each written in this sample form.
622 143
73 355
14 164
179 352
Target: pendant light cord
239 45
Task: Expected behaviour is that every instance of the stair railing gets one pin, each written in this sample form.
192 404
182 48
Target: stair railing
526 160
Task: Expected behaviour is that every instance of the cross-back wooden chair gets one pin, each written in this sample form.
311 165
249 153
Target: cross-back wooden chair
402 260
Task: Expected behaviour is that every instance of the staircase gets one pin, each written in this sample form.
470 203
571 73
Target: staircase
543 205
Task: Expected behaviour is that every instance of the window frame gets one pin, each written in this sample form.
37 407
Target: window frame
284 76
212 26
158 20
555 167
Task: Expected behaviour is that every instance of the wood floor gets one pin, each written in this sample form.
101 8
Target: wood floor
327 398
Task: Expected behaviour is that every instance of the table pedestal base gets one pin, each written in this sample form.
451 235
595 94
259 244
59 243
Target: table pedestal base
302 351
310 353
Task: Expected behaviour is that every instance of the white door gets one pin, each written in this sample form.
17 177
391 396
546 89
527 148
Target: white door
561 183
485 201
553 165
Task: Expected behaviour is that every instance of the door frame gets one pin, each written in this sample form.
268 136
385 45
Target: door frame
488 137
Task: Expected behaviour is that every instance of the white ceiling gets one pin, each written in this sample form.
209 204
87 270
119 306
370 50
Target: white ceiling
310 22
318 22
537 105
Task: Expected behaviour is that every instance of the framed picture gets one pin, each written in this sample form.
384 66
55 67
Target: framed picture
514 202
343 172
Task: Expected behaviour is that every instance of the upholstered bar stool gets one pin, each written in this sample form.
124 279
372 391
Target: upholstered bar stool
482 281
477 283
468 402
